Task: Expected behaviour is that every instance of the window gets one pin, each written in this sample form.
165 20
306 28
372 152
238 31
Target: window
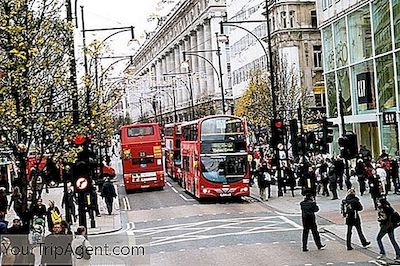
314 21
291 18
283 19
382 29
317 55
140 131
385 82
360 34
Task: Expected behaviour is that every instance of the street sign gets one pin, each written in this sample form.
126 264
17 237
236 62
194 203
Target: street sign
81 183
280 146
389 118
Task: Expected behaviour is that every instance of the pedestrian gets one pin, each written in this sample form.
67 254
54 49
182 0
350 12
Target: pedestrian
3 200
308 209
350 207
381 173
69 201
291 178
354 181
360 172
16 198
53 215
94 201
3 223
333 182
261 181
81 247
53 244
39 210
324 178
16 227
339 171
4 182
374 188
108 194
388 220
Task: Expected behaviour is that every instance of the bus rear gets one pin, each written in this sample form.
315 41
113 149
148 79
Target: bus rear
142 161
173 150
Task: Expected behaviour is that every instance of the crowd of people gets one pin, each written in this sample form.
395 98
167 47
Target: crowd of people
38 224
324 176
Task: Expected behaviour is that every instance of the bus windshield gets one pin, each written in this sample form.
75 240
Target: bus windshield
140 131
223 168
222 129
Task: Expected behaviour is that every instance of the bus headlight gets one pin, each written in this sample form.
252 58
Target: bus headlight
245 189
205 191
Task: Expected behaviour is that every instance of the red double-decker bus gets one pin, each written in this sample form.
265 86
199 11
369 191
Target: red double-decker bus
142 161
214 157
173 138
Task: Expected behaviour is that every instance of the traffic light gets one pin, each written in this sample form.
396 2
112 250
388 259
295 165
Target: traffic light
311 141
278 132
327 135
348 146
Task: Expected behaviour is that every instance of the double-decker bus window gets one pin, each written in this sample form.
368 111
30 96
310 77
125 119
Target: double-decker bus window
140 131
169 131
190 132
185 163
223 168
222 129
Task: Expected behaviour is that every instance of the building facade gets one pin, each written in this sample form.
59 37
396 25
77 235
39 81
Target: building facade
361 54
295 38
187 35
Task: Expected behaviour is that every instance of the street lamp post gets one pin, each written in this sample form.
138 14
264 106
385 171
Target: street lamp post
269 55
188 88
118 30
219 73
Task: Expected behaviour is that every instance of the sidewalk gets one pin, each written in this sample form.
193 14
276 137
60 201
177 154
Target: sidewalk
330 211
104 224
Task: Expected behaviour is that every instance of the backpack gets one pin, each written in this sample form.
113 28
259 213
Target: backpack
84 251
55 217
3 227
347 209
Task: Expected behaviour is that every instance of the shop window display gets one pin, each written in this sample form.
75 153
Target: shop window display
344 85
364 87
341 47
329 54
331 94
385 82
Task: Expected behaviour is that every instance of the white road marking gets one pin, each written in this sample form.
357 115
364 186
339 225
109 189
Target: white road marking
351 262
328 236
161 252
222 246
169 184
308 264
201 230
258 243
158 220
202 248
329 263
287 214
240 244
182 249
374 262
127 205
186 199
292 242
176 191
274 243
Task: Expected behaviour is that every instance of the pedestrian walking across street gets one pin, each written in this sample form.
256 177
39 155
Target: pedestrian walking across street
388 220
351 206
308 209
108 193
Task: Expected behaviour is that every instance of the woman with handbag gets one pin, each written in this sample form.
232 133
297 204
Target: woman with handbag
388 221
53 215
82 249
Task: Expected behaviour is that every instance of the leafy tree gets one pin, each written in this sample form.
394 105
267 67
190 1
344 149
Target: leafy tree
256 102
35 89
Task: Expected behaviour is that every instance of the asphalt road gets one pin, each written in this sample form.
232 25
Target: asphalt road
183 231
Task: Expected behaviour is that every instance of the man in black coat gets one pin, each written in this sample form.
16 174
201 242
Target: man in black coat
308 209
108 193
351 205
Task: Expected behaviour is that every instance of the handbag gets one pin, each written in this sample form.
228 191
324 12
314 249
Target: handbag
85 254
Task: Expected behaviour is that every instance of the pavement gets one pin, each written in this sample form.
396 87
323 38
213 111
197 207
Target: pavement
104 224
330 212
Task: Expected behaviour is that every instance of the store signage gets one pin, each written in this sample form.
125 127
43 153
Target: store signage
389 118
364 89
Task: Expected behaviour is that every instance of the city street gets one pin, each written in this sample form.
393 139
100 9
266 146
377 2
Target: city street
247 232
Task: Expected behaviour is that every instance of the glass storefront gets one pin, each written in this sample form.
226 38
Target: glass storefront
382 28
344 85
385 82
364 88
341 42
329 61
361 60
360 37
331 94
396 22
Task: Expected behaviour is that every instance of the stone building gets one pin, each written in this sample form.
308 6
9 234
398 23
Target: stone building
160 75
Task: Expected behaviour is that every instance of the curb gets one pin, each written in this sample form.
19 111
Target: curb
105 232
272 207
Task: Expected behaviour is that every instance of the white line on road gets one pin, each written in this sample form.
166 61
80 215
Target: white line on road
126 203
274 243
169 184
182 249
374 262
328 236
222 246
176 191
292 242
184 198
288 214
351 262
202 248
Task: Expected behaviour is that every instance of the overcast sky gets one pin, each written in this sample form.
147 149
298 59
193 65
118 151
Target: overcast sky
120 13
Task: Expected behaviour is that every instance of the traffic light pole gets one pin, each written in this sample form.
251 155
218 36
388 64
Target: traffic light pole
341 105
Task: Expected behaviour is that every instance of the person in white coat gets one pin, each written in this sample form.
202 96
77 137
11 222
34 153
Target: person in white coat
381 172
80 245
